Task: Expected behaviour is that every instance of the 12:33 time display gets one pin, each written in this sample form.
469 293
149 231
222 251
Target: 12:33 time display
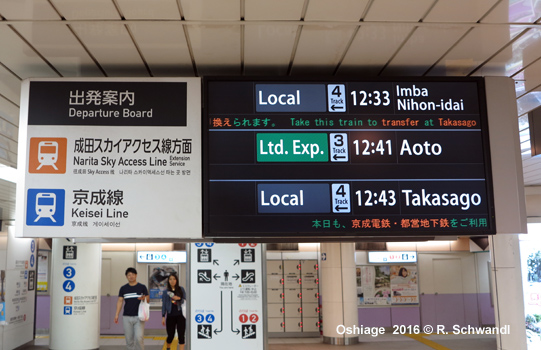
374 98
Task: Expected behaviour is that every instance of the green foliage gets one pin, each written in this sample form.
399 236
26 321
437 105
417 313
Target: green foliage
534 267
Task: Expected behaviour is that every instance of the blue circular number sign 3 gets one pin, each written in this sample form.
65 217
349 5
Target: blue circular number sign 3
69 272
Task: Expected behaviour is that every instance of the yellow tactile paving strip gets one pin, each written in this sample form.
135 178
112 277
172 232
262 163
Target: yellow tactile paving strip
174 344
421 338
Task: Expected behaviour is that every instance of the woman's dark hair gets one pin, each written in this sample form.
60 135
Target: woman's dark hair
178 290
402 269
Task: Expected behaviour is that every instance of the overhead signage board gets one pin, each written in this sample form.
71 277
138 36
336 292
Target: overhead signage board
392 257
162 257
342 158
110 158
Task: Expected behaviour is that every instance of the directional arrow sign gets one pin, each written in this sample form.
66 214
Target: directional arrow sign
341 200
237 262
338 144
215 262
216 276
216 331
336 97
233 330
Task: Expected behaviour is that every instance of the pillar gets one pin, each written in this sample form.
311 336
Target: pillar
507 292
75 295
338 289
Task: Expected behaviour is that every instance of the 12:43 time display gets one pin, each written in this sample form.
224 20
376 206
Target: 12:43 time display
370 198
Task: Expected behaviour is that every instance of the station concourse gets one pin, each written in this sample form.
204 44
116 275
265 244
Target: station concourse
463 279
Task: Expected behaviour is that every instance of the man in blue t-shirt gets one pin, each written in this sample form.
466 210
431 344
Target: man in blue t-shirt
132 293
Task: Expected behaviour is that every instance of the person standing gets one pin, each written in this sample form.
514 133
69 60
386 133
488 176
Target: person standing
131 294
172 300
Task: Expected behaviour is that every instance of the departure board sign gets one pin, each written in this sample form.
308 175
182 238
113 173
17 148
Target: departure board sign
303 158
110 158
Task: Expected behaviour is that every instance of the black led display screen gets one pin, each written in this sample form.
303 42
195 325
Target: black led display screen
342 158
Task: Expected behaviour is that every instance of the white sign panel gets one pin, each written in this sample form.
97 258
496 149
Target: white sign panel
19 289
226 296
392 257
530 256
110 158
75 294
172 257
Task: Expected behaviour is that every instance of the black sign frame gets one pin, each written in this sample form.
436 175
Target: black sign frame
216 103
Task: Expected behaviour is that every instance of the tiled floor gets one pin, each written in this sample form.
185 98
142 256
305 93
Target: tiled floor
382 342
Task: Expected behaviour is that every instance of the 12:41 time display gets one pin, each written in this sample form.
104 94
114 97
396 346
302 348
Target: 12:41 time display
370 198
381 146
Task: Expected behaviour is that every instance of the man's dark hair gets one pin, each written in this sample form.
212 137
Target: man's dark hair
132 270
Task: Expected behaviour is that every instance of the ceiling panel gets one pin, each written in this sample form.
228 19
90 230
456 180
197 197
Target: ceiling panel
9 144
10 86
112 47
27 9
532 170
163 46
7 203
397 10
320 49
520 86
423 49
196 10
268 48
513 12
459 10
8 158
372 47
523 51
343 10
59 46
283 10
478 45
216 48
8 130
20 58
143 9
86 9
8 110
528 102
532 76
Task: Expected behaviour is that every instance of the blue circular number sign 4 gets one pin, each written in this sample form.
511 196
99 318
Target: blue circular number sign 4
68 286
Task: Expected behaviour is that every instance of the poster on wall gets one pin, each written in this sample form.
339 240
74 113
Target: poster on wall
404 285
530 255
43 272
384 285
157 281
2 298
373 285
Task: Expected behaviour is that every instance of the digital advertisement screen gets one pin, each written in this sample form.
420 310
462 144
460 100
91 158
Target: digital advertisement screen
310 158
